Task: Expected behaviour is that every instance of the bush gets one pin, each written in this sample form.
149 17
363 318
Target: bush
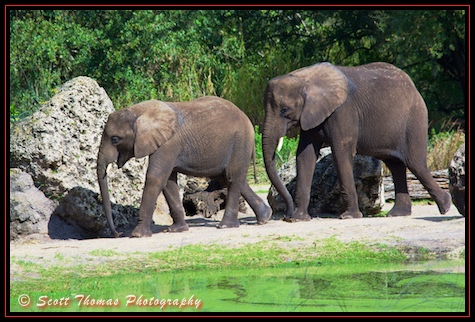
43 55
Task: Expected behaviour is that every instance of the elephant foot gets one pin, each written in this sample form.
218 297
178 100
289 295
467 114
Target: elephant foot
177 228
444 206
351 214
296 217
264 217
399 212
228 224
141 231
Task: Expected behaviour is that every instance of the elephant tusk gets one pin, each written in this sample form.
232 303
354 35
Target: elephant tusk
279 145
106 170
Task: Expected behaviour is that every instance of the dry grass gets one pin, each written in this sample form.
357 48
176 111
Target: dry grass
442 149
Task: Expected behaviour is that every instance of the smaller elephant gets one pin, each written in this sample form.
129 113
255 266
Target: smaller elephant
206 137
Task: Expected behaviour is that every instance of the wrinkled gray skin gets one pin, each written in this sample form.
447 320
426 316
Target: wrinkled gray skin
207 137
372 110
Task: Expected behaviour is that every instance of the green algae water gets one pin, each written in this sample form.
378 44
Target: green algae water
437 286
340 288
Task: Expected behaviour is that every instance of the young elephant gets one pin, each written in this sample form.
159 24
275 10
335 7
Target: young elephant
206 137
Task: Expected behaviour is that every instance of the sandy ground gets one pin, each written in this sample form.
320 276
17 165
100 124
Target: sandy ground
443 235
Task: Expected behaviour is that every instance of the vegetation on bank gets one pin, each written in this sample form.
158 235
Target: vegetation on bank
200 257
184 54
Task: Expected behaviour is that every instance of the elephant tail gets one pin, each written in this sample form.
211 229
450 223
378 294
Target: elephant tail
254 164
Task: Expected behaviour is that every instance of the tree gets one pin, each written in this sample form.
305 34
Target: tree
183 54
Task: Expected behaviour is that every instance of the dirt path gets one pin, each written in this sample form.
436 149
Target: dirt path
443 235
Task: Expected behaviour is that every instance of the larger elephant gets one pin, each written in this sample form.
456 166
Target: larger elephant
373 109
206 137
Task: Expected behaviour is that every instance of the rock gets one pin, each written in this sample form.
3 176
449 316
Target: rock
30 210
80 207
58 146
325 195
457 179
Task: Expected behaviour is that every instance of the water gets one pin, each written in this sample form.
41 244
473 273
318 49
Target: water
428 287
437 286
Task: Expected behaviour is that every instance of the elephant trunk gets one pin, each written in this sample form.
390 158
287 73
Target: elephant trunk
106 203
270 138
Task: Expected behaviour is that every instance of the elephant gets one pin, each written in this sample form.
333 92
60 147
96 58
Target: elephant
373 109
205 137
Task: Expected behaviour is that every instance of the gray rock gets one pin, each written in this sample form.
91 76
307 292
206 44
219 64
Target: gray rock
457 179
81 206
325 194
58 146
30 210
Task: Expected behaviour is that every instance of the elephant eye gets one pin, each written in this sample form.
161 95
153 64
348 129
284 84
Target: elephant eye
283 111
115 140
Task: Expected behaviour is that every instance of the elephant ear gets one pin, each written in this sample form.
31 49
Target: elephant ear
156 123
326 89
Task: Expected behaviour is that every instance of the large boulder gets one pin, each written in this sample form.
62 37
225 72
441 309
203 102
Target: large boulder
325 194
457 179
58 146
30 210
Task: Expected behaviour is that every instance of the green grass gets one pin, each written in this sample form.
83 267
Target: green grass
208 257
104 252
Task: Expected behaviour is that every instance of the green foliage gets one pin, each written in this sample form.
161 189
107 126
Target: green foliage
184 54
43 54
248 82
432 52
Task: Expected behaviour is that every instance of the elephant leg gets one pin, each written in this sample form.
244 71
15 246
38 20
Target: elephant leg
230 218
152 189
262 211
172 195
343 158
158 173
402 205
442 198
306 158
